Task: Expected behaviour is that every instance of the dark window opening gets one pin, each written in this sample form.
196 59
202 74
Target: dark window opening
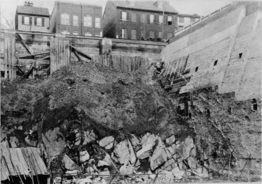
196 69
215 63
254 104
240 55
2 73
169 20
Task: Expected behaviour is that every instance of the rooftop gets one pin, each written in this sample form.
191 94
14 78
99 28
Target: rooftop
187 15
32 10
74 3
145 5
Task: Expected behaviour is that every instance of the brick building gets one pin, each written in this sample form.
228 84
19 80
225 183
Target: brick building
139 20
184 20
76 19
29 18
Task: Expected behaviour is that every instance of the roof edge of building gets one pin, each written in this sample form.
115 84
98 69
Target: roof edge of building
133 8
67 2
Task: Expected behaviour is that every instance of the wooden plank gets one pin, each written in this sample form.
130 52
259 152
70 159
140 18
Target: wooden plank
34 55
23 43
28 161
81 53
39 161
13 56
22 163
6 57
8 161
51 55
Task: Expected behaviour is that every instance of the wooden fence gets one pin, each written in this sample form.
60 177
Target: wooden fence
7 55
12 63
59 52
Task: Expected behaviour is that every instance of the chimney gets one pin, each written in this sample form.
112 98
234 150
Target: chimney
159 4
131 2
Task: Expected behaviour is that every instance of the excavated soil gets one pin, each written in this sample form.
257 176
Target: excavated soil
72 111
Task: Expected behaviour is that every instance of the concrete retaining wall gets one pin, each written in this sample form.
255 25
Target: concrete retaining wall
213 53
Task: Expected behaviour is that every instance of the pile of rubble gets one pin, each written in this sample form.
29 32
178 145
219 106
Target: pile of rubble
97 123
142 159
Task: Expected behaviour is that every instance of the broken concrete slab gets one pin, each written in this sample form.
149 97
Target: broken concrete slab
122 153
159 155
84 156
89 136
170 140
69 163
107 142
178 173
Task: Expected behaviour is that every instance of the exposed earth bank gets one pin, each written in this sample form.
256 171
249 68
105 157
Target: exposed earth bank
108 121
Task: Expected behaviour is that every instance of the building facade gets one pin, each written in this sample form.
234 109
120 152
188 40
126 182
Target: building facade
184 20
29 18
76 19
139 20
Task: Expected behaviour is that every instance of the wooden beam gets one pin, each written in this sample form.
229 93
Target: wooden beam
80 53
23 43
32 56
77 55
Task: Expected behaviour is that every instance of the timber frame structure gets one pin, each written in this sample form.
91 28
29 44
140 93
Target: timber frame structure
41 63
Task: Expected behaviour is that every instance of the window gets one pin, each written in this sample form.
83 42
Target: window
39 21
143 35
240 55
133 17
97 22
133 34
75 33
181 19
124 33
88 21
75 20
65 19
143 18
65 32
193 20
160 34
97 34
123 16
215 63
169 20
160 19
88 34
169 35
152 34
151 18
196 69
26 20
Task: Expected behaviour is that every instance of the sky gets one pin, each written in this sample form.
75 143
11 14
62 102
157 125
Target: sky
200 7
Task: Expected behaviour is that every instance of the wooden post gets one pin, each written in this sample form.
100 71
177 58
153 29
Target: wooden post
5 56
13 56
